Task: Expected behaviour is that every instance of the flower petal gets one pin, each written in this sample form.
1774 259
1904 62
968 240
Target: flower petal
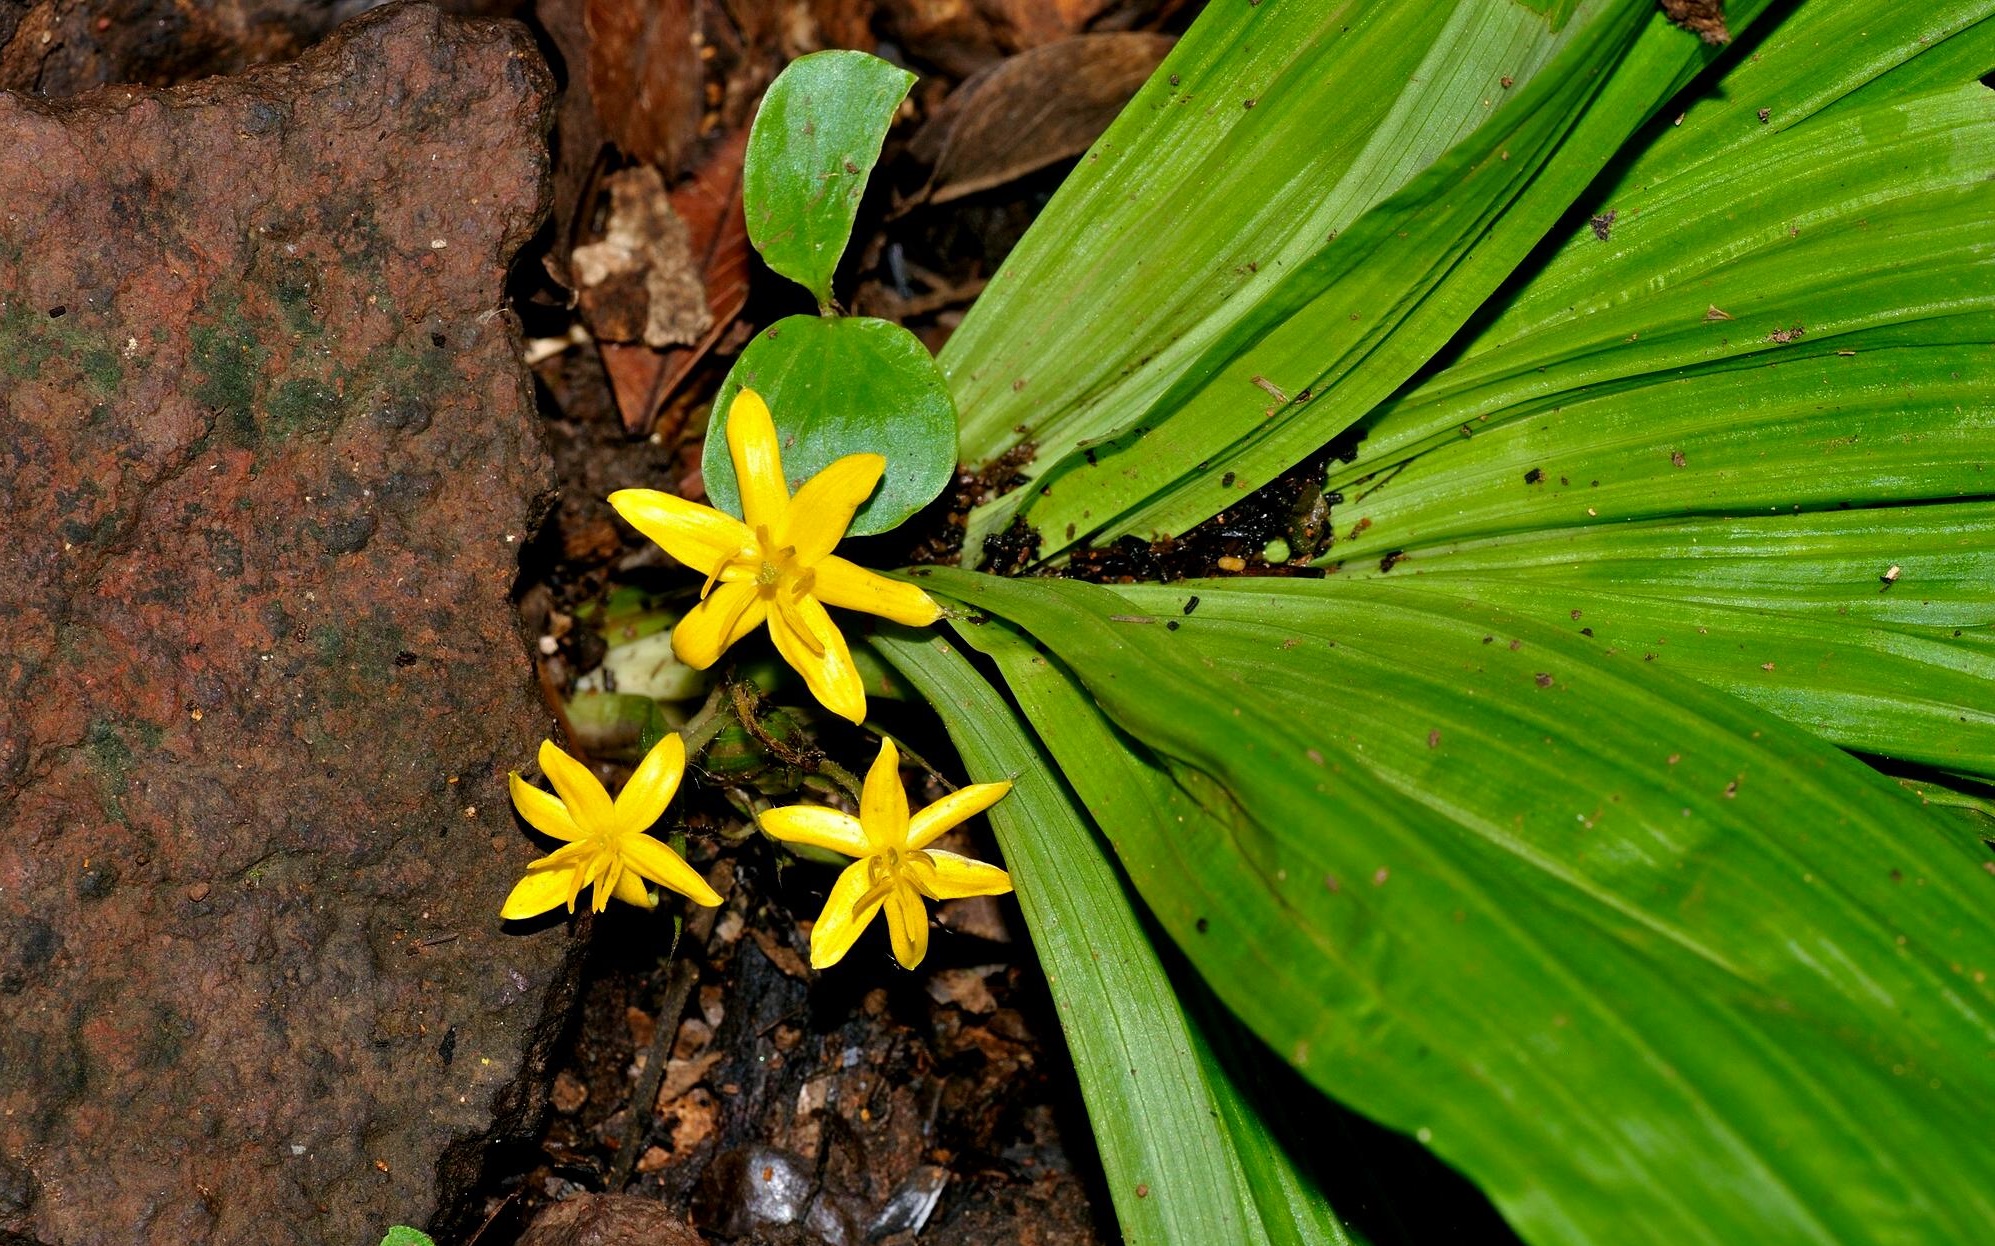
606 885
827 667
758 460
652 785
839 926
588 804
663 866
543 811
883 801
843 584
816 519
948 876
728 613
538 892
907 925
630 889
953 810
699 536
819 827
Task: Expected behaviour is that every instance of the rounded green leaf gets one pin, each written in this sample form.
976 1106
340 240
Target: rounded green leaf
844 385
814 142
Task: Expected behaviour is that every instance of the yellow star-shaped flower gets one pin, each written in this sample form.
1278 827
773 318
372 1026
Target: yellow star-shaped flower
896 867
777 567
606 844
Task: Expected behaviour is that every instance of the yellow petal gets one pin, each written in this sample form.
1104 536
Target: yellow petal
652 785
850 587
663 866
606 886
839 927
758 460
538 892
729 613
826 667
699 536
588 804
817 517
907 925
543 811
883 801
630 889
818 827
948 876
952 810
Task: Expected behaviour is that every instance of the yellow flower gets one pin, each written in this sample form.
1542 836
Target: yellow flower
896 867
605 841
777 567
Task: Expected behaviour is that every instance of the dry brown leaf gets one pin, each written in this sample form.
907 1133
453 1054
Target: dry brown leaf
781 955
578 134
645 73
710 206
698 1116
610 1220
1033 110
640 282
682 1075
964 988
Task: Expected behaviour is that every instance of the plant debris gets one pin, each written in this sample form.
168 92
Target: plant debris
1703 18
1291 511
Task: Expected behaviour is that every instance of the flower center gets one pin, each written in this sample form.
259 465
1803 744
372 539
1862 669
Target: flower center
776 564
885 869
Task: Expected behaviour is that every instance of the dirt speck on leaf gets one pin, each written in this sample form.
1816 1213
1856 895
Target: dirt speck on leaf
1703 18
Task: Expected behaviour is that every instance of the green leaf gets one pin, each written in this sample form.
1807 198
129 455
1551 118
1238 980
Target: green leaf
403 1235
845 385
810 151
1802 614
1382 184
616 725
1187 1163
1646 963
1742 433
1856 213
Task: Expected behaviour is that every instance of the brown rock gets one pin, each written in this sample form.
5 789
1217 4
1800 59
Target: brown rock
266 459
608 1220
65 47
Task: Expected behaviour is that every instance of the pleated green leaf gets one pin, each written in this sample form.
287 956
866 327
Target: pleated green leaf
1187 1162
1873 628
1291 218
1745 434
1646 963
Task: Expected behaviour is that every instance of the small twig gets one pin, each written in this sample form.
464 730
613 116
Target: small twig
792 1014
685 975
703 726
813 762
504 1203
559 708
914 757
